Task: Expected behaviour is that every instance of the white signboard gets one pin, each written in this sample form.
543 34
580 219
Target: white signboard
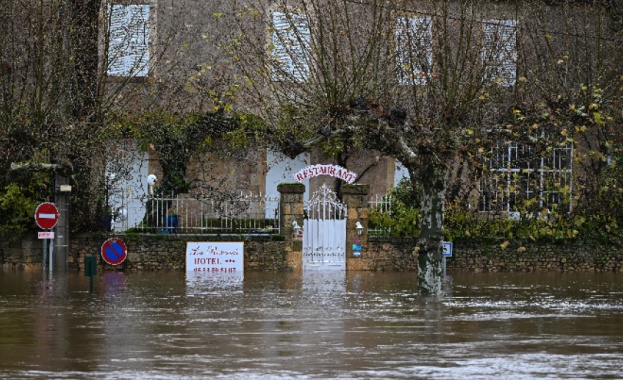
46 235
215 257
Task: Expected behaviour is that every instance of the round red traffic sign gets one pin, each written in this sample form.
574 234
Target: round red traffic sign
46 215
114 251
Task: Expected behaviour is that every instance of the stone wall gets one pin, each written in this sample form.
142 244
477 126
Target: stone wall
386 255
527 256
471 255
167 253
20 252
145 252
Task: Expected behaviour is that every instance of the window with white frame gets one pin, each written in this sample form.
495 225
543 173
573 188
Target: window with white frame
414 49
128 45
499 51
290 46
520 179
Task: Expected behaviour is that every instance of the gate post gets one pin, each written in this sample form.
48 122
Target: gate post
291 210
356 199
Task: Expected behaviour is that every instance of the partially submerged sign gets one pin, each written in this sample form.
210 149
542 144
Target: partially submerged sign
114 251
215 257
325 169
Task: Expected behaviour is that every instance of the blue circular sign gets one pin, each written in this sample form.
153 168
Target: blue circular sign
114 251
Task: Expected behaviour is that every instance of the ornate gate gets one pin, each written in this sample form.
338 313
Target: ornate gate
324 237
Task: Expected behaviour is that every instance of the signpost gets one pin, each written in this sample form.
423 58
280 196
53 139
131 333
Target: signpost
114 251
90 269
46 217
447 252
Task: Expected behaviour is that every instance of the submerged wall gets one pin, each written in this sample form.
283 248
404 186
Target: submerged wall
168 253
145 252
478 255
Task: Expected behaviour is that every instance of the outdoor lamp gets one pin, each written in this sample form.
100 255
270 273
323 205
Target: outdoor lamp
151 181
296 227
359 228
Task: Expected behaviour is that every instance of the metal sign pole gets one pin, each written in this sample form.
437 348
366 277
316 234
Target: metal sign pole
51 257
44 255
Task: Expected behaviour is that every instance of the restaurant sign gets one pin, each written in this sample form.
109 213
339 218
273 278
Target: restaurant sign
325 169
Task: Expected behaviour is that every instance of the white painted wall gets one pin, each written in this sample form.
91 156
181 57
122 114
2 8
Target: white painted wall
127 171
281 169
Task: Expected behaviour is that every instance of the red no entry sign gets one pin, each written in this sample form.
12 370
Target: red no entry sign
114 251
46 215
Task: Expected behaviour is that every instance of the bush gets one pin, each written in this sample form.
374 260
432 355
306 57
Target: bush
402 219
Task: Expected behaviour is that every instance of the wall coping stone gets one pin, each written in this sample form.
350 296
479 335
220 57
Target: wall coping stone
296 188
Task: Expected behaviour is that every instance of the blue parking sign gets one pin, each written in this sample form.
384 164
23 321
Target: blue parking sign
447 249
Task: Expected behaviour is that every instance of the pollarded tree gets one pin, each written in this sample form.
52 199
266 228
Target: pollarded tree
301 64
413 80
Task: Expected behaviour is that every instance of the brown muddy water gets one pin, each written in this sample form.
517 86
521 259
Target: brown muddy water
353 325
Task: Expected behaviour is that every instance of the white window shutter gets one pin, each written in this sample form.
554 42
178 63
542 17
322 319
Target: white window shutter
291 41
128 50
500 51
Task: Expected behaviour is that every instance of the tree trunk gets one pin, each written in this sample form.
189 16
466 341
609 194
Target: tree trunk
432 179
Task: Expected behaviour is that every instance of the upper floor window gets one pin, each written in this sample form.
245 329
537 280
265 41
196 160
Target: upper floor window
290 47
499 53
128 46
414 49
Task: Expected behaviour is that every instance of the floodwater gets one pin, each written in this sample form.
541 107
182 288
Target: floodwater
353 325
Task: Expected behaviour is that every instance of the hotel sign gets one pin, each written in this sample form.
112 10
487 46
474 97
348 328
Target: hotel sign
215 257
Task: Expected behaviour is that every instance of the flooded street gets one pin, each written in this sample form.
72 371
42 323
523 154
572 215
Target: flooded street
357 325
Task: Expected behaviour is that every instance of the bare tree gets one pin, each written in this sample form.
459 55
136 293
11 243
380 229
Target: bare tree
430 83
411 80
71 74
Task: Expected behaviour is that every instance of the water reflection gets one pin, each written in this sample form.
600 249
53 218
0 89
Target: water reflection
315 325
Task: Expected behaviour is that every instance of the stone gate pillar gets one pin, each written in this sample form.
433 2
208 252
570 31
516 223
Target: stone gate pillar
356 199
291 210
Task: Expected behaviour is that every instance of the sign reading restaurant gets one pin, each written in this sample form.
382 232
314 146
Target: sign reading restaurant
325 169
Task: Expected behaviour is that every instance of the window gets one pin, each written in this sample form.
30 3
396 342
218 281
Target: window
521 179
290 47
499 53
128 47
414 49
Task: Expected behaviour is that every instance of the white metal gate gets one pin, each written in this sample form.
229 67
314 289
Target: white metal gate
324 232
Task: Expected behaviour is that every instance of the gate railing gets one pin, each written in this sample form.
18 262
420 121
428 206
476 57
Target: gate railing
324 236
324 204
382 204
200 214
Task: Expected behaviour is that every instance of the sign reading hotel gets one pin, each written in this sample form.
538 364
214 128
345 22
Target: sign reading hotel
215 257
328 169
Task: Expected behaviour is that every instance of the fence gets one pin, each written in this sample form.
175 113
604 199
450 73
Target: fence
199 214
381 204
